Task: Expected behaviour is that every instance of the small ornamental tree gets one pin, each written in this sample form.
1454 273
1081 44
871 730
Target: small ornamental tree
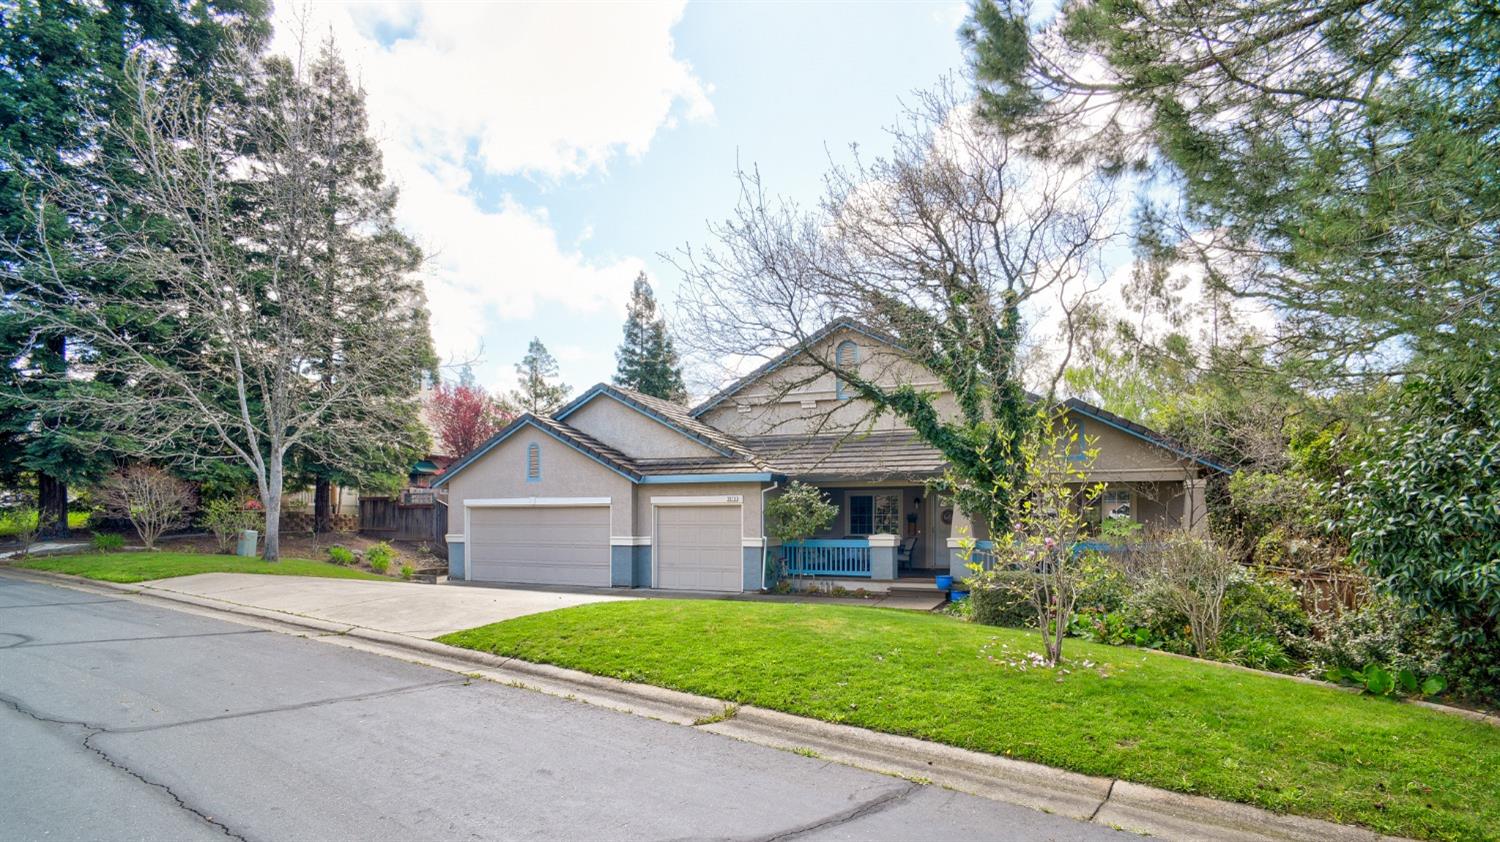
152 500
1424 508
464 417
797 514
1049 520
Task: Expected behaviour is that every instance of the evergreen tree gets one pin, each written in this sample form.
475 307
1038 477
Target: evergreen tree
535 392
361 256
1339 161
61 73
647 361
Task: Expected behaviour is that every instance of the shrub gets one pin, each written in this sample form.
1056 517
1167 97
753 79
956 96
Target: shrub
1384 632
226 519
21 523
407 571
1195 574
107 542
341 556
1424 508
379 557
152 500
998 599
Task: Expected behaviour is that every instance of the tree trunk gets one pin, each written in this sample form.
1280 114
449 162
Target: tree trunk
322 507
273 509
52 507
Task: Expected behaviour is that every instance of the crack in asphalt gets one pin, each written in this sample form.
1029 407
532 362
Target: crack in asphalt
86 742
94 730
29 645
315 703
875 805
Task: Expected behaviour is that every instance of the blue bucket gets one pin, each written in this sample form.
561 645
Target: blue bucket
955 596
944 583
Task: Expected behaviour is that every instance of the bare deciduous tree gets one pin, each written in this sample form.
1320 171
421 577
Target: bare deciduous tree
1197 574
152 500
223 339
950 246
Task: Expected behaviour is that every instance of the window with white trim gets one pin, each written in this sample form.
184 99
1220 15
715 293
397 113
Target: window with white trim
1117 504
533 462
875 514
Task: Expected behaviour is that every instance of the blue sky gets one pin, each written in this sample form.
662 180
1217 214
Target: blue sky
547 153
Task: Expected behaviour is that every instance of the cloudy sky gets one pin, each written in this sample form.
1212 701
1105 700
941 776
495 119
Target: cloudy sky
546 153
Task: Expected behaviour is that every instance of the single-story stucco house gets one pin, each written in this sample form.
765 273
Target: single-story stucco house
620 489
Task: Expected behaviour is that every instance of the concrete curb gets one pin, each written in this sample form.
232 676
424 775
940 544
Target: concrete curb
1113 803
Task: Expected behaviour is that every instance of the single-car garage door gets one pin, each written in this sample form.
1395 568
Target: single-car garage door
540 545
698 548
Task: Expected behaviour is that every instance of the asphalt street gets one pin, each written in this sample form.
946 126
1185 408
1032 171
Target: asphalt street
120 720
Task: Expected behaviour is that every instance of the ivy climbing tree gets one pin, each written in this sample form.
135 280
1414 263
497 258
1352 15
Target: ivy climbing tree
947 249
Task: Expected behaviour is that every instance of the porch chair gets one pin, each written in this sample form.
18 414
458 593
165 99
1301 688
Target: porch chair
903 552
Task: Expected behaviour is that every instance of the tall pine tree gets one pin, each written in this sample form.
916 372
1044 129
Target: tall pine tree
646 360
361 256
536 392
61 72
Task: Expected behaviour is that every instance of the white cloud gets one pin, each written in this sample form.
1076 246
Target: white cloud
544 91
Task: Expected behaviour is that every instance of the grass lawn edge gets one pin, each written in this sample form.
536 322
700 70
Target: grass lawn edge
625 651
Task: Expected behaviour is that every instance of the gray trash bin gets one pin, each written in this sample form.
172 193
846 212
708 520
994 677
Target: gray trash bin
248 539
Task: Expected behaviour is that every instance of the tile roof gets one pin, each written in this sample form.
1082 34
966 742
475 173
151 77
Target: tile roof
870 456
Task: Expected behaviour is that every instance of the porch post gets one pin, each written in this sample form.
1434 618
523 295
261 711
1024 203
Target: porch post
963 526
1194 505
883 556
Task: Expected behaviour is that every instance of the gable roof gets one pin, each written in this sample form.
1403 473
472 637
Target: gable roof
781 359
674 416
576 439
1085 408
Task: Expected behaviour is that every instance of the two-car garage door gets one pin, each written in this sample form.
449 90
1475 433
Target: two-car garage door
696 546
540 545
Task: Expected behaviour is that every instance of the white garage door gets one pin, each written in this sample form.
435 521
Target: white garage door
698 548
540 545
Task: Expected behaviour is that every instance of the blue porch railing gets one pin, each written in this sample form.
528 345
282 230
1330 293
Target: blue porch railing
984 551
827 557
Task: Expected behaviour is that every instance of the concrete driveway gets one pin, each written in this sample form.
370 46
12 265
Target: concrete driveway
407 608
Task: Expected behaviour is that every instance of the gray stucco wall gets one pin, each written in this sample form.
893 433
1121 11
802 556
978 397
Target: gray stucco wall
633 433
501 473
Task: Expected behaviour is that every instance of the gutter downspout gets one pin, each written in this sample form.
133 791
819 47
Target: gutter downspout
765 543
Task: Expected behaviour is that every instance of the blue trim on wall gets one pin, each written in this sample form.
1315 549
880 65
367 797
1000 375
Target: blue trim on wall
604 389
657 479
500 438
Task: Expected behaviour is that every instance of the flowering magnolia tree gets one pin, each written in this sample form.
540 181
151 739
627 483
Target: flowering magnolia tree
465 416
1045 526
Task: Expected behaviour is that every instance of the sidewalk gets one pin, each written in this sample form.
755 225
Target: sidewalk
404 608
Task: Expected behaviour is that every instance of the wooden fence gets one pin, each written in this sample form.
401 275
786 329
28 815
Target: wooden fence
417 518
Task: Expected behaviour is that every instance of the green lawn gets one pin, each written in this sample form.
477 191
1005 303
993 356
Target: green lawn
140 566
76 520
1178 724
